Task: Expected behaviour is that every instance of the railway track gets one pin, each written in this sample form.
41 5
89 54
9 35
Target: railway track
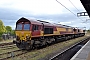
8 47
5 47
71 51
3 44
5 56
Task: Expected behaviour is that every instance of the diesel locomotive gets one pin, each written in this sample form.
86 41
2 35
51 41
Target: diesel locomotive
31 33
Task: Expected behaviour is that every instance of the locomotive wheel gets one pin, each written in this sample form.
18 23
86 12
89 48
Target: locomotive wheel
20 46
29 47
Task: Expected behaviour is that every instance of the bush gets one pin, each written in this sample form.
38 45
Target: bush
88 31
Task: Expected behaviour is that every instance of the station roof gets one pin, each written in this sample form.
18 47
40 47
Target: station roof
86 4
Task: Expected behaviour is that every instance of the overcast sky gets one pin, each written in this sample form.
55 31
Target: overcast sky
47 10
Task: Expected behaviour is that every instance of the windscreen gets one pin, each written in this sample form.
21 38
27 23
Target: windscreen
26 27
19 27
23 27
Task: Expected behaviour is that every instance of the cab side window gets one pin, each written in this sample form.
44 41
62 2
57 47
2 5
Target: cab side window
35 27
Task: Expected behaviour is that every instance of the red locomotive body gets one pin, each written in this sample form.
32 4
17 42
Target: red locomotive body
30 33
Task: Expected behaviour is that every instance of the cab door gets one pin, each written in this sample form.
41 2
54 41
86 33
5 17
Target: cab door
36 31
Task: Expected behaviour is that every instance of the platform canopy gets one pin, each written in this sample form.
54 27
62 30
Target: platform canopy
86 4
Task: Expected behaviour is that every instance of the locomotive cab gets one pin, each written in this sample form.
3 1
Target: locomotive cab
23 30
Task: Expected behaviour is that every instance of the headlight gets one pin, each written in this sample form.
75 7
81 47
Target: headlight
28 37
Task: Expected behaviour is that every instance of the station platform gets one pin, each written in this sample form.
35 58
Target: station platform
83 53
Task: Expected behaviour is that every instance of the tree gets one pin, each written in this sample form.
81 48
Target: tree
8 29
88 30
13 32
2 28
